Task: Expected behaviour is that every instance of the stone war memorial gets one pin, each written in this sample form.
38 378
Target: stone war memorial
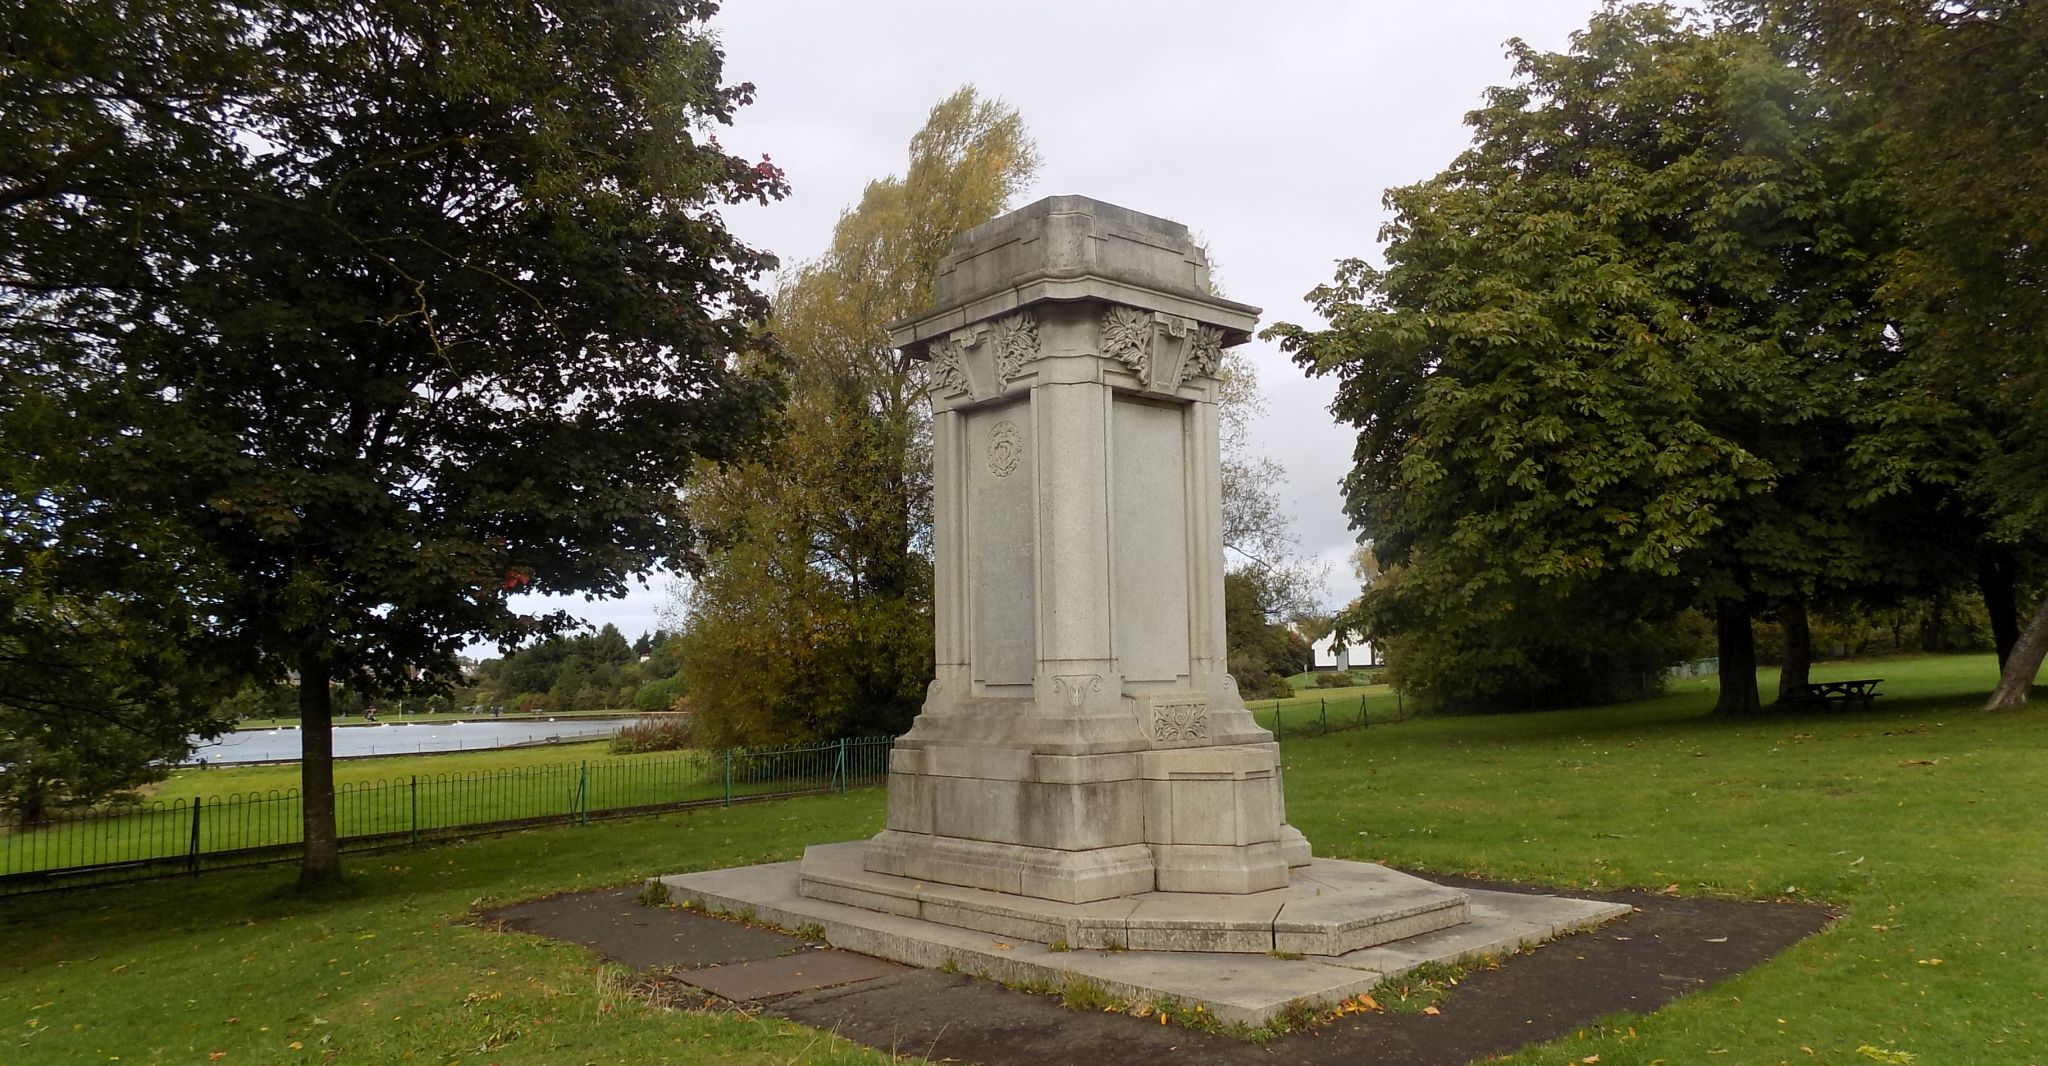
1084 794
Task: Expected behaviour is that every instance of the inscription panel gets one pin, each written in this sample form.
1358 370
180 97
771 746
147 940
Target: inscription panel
1003 574
1150 538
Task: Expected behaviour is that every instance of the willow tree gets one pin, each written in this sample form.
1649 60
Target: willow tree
379 311
1610 356
809 609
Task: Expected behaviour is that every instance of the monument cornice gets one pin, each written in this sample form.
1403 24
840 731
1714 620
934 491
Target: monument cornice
1235 319
1130 348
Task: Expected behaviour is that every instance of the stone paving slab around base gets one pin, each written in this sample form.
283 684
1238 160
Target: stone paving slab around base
768 978
643 938
1240 988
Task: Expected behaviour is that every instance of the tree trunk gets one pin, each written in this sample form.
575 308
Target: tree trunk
2016 683
34 799
1798 662
1738 660
1997 575
1932 623
321 862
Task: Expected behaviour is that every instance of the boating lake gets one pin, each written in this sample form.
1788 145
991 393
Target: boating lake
402 738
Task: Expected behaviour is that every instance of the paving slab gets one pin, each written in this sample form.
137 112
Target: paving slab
635 935
768 978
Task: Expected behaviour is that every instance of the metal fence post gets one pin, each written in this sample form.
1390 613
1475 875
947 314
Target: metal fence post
583 793
415 808
1276 723
1323 709
842 766
728 777
192 857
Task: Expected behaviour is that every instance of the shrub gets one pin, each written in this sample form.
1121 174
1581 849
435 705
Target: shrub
1257 686
658 695
666 732
1336 679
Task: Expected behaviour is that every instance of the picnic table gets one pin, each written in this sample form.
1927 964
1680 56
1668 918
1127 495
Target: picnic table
1829 693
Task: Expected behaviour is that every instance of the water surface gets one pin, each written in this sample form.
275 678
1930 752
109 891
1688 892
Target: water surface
403 738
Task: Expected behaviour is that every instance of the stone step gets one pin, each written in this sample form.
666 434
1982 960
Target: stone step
1329 907
1234 987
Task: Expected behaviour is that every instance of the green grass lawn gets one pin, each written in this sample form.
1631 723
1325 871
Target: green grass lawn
258 806
1920 821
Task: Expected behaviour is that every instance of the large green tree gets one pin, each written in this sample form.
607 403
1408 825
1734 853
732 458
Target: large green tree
381 311
108 663
809 609
1958 87
1615 344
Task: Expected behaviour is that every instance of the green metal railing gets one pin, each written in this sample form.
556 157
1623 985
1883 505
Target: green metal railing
1320 715
191 835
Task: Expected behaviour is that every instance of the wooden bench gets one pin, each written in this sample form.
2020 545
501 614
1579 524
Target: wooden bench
1831 693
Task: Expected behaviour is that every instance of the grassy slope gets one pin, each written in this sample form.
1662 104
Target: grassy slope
1919 820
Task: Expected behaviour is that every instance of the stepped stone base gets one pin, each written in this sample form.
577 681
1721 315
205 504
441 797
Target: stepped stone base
1326 908
1243 986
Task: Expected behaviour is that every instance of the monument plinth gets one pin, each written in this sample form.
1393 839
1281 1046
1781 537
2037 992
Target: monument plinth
1082 739
1083 773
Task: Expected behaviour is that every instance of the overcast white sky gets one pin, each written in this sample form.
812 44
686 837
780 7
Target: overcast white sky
1270 129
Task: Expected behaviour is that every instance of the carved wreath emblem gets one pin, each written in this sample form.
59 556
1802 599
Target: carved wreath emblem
1005 451
1175 722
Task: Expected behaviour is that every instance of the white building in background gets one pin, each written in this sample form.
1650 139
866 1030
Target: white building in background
1357 655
